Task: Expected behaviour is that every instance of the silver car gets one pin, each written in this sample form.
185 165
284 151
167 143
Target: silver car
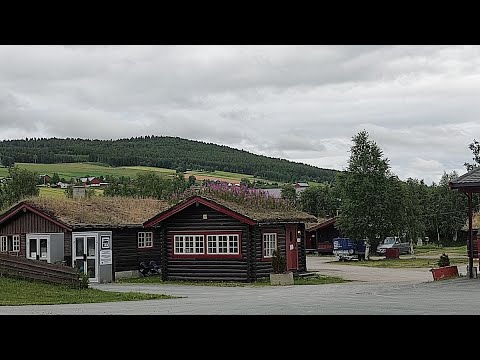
393 242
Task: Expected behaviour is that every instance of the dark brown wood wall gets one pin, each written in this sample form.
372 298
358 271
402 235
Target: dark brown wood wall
302 254
126 255
264 267
27 223
200 267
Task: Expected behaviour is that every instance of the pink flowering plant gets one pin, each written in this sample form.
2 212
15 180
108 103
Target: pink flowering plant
255 199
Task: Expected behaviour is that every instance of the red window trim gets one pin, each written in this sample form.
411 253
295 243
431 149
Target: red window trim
171 238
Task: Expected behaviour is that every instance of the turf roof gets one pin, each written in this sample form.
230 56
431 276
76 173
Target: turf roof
124 211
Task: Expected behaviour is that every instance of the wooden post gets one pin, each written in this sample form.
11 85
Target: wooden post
470 238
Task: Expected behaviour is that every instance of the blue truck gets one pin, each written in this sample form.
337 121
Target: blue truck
349 249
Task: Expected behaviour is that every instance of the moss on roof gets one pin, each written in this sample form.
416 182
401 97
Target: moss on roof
262 212
123 211
99 210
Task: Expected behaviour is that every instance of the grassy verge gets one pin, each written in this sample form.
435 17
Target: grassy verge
433 250
24 292
60 193
404 263
316 280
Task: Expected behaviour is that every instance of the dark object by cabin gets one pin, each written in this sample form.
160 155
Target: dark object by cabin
475 247
150 269
349 249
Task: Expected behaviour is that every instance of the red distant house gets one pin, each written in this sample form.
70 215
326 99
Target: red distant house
90 181
319 236
95 182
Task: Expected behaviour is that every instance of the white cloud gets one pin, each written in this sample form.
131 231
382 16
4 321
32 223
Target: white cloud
303 103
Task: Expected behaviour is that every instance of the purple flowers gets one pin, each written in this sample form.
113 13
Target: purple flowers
255 199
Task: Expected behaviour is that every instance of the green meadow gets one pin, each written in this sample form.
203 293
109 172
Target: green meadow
75 170
60 193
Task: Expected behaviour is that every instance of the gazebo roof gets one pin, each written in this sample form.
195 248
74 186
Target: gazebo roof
469 181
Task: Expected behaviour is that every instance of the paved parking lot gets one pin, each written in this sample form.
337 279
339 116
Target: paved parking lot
373 292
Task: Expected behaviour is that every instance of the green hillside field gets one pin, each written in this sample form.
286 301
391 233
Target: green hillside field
76 170
60 193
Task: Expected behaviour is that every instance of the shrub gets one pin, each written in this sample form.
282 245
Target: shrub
84 281
279 263
444 260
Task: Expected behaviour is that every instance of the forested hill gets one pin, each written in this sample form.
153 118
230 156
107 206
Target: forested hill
160 151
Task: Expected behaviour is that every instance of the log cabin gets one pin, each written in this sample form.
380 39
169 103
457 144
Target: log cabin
198 238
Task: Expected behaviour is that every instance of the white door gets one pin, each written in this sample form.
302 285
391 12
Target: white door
37 247
84 253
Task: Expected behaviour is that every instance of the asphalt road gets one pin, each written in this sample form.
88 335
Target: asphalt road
372 292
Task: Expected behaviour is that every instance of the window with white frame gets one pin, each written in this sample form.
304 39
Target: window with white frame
223 244
145 240
269 244
188 244
10 243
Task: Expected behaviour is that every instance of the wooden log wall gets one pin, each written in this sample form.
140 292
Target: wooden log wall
23 268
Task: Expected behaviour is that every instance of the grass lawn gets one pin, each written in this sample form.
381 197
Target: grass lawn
434 250
403 263
24 292
76 170
60 193
317 280
425 256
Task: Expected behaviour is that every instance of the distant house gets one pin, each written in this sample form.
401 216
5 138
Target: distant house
91 181
85 180
319 235
45 179
63 185
95 182
277 192
300 186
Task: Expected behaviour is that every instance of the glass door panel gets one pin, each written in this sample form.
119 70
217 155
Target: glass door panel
32 248
43 249
85 255
79 247
91 246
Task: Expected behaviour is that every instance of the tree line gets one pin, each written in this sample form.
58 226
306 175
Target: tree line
371 202
159 151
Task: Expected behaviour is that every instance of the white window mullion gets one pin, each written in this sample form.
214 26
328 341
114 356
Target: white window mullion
16 243
3 244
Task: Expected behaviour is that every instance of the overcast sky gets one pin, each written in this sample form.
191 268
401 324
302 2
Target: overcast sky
420 104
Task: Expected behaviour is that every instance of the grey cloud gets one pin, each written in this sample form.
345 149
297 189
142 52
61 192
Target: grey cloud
303 103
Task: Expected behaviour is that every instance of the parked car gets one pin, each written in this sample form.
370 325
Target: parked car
349 249
393 242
